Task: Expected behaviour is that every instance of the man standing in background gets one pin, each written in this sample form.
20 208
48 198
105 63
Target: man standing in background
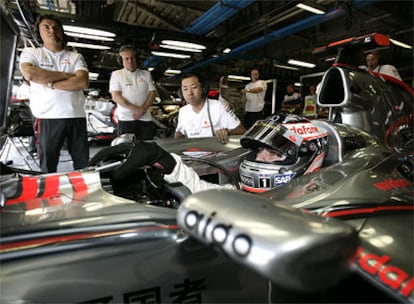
373 65
134 92
310 108
57 79
255 92
292 101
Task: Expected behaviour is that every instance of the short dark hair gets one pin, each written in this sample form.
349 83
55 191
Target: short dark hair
42 17
188 75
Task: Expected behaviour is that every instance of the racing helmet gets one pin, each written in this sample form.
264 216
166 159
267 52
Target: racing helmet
300 144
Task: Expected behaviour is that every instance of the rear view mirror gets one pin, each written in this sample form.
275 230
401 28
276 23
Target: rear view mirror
290 247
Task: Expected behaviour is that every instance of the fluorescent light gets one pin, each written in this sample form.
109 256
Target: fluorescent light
180 48
301 63
226 50
88 46
236 77
85 36
184 44
310 9
298 84
286 67
87 31
401 44
171 71
173 55
150 69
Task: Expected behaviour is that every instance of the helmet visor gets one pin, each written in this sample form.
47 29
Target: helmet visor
272 135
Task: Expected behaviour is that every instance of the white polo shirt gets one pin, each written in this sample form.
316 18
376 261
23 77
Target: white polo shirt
255 101
193 124
55 103
386 69
135 87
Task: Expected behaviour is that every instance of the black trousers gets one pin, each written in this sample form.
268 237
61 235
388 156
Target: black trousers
143 130
53 133
251 117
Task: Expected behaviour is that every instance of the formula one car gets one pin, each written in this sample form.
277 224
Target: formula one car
342 234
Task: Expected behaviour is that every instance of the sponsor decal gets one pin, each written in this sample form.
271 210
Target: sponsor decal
187 291
390 184
33 189
46 65
283 179
247 180
264 182
65 61
221 234
381 268
304 129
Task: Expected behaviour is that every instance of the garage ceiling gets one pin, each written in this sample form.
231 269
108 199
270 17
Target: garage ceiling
260 33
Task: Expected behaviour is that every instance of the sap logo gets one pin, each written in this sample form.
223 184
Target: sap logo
283 179
207 229
304 129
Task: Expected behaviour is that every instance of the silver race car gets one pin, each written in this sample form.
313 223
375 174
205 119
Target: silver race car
341 234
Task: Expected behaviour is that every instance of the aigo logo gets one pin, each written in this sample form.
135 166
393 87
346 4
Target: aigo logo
211 231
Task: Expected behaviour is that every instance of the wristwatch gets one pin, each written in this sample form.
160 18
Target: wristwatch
50 85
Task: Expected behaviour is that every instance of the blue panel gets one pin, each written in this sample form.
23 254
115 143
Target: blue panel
281 33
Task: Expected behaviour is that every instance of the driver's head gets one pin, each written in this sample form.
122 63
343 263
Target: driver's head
282 147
